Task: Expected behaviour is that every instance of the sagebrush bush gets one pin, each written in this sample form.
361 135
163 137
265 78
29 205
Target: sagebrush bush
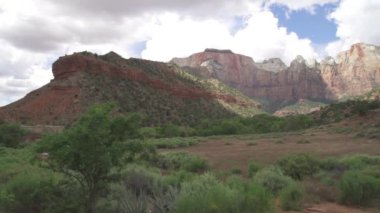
253 167
140 180
291 197
298 166
360 161
357 188
272 179
182 160
208 195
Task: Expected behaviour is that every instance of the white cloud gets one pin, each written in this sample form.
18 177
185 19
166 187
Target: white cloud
260 38
34 33
176 37
356 22
263 38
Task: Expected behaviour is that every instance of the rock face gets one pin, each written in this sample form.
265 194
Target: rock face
164 93
258 80
355 72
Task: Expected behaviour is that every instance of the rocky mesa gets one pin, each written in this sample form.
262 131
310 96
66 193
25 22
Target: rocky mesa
353 72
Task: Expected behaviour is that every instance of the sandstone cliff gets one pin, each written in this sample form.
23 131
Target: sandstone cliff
353 73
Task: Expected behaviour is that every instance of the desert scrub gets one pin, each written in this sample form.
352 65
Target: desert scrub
171 143
206 194
357 188
253 167
291 197
182 160
272 179
298 166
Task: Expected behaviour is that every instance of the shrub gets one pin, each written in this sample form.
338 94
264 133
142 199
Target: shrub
182 160
360 161
291 197
272 179
299 165
149 132
236 171
171 143
357 188
177 177
171 130
139 180
255 199
11 135
215 198
206 194
27 192
253 167
251 196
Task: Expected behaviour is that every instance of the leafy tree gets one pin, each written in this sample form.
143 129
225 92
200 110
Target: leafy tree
88 150
11 135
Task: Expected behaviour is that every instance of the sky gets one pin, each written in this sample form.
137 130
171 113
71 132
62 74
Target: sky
34 33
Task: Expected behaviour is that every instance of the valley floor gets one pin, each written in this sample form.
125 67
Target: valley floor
357 135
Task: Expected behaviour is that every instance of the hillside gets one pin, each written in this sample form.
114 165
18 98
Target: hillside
163 93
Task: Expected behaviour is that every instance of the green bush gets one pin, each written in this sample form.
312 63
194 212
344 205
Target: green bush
171 130
272 179
251 196
291 197
236 171
182 160
357 188
140 180
175 142
149 132
253 167
206 194
11 135
298 166
27 192
360 161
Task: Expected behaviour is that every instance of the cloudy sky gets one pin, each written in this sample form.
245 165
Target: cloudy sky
34 33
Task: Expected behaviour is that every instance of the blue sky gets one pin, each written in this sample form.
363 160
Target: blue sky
313 25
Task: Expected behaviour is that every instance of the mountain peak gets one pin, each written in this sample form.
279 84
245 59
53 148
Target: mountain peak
211 50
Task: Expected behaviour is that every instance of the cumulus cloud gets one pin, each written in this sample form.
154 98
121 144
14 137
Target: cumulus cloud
260 38
176 37
121 8
34 33
263 38
355 23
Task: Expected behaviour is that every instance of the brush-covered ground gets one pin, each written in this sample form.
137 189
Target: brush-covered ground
328 162
347 141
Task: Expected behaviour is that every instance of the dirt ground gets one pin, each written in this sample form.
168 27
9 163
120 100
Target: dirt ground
227 152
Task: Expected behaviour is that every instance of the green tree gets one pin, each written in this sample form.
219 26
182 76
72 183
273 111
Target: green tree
88 150
11 135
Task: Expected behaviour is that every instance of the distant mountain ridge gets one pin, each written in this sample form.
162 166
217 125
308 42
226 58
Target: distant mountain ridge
354 72
208 85
164 93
